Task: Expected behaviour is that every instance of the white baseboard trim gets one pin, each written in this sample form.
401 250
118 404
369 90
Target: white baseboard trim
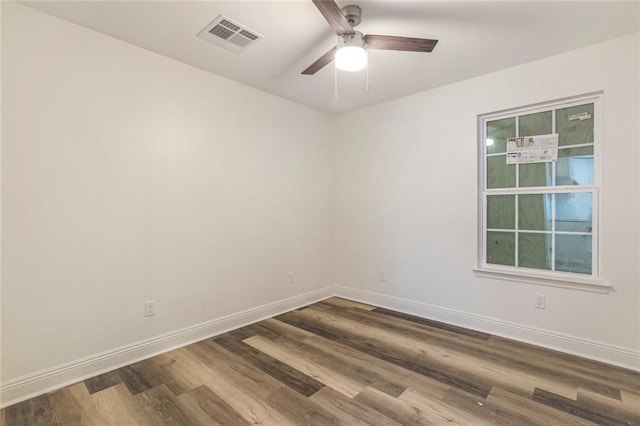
610 354
38 383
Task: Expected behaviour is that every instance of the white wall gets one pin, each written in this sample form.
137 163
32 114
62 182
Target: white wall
127 176
406 183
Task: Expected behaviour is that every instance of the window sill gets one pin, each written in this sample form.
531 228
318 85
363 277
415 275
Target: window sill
554 280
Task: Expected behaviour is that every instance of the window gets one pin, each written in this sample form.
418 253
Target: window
540 219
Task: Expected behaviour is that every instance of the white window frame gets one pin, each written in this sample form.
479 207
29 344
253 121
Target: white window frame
593 282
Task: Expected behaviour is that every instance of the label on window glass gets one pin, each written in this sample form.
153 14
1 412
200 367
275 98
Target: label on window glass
532 149
581 116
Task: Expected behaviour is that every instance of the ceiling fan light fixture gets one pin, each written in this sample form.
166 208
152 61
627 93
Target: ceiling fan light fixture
351 54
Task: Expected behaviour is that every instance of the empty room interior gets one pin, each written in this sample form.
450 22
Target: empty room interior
320 212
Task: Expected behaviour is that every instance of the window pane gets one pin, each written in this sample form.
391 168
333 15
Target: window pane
574 211
573 253
499 131
534 250
534 212
535 124
501 248
574 166
501 211
535 174
575 125
499 174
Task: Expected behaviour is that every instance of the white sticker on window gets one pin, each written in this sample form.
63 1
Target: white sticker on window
532 149
581 116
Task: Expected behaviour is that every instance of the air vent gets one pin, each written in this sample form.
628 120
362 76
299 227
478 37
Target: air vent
229 34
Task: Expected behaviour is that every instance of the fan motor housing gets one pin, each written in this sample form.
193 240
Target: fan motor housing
353 13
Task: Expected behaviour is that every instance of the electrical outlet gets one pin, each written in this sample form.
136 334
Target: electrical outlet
291 280
540 302
150 308
383 276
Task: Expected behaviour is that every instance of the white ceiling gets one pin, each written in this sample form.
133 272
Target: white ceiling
476 37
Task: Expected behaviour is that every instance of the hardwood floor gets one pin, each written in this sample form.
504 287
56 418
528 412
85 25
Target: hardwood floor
343 362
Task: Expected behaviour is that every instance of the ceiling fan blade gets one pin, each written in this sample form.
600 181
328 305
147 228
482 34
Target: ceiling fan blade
321 62
332 13
408 44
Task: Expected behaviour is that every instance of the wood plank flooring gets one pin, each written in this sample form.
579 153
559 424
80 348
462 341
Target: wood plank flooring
342 362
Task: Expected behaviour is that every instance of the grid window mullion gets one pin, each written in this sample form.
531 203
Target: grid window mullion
553 166
517 179
517 233
553 231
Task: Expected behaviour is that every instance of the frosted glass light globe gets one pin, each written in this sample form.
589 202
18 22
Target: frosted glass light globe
351 58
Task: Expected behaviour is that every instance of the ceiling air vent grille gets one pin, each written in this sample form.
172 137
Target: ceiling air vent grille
229 34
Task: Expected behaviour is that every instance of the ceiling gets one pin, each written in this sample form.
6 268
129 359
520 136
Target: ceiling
476 37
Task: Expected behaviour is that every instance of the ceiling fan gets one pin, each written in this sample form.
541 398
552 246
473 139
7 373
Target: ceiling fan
350 53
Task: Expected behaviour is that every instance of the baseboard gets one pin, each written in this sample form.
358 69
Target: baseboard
610 354
28 386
